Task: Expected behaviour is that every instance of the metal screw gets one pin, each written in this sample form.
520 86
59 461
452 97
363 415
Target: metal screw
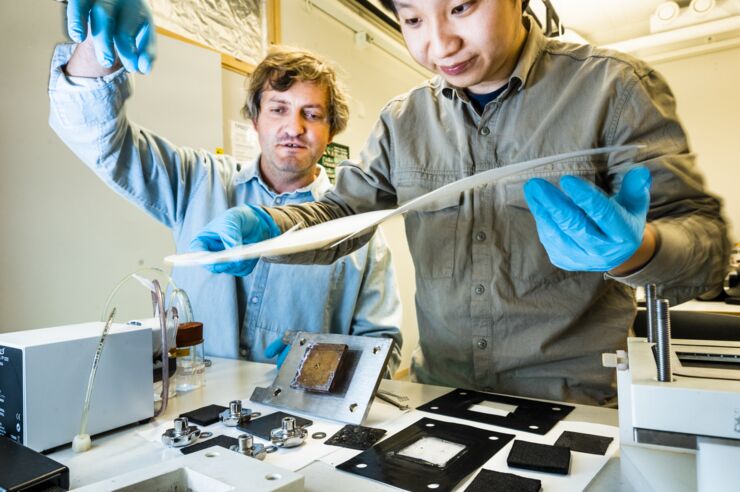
245 442
235 415
181 433
663 340
289 434
181 425
247 447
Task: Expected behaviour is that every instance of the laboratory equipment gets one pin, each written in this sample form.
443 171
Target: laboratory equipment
679 411
22 469
43 376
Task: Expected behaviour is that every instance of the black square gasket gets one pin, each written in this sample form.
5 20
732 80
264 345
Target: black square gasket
534 416
262 426
204 415
381 462
539 457
584 443
356 437
493 481
223 441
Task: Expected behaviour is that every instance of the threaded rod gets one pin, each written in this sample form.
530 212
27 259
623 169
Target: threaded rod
663 340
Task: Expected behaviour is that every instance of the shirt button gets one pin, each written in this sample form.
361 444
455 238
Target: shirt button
481 236
255 300
479 289
485 131
278 200
482 344
243 352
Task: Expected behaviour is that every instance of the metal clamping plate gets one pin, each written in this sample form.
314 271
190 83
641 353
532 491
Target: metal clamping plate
353 387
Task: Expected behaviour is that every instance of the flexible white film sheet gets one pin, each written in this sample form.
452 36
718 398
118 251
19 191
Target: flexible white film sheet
335 231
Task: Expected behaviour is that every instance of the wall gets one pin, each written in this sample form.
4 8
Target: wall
67 239
706 89
372 78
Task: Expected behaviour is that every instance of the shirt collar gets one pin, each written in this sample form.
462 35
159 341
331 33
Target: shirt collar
533 46
251 171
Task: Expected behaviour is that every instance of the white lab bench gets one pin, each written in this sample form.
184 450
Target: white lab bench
125 450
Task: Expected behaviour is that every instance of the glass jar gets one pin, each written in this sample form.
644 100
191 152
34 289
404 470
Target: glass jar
190 373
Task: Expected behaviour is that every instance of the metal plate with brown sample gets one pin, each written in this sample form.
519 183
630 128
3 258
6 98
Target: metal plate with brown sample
319 367
353 385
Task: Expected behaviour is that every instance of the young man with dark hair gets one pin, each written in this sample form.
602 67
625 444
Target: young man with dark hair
297 107
524 283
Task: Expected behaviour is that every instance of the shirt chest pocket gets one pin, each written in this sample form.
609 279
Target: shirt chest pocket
432 235
529 263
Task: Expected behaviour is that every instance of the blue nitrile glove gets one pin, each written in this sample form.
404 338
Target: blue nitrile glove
280 348
239 225
583 229
123 26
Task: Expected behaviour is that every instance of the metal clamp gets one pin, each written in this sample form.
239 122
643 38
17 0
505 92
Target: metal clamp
289 435
181 434
247 447
236 415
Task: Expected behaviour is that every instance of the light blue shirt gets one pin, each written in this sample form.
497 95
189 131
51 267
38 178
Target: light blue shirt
184 189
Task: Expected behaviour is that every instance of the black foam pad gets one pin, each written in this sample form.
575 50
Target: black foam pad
205 415
493 481
539 457
584 443
356 437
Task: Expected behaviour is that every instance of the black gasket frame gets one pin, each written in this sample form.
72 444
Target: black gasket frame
381 462
534 416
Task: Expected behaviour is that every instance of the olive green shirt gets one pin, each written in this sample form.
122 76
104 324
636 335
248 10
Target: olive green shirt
494 314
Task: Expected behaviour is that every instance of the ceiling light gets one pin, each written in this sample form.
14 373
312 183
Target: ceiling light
667 11
701 7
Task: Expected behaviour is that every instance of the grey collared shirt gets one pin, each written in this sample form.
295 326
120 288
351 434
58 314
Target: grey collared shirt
493 312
